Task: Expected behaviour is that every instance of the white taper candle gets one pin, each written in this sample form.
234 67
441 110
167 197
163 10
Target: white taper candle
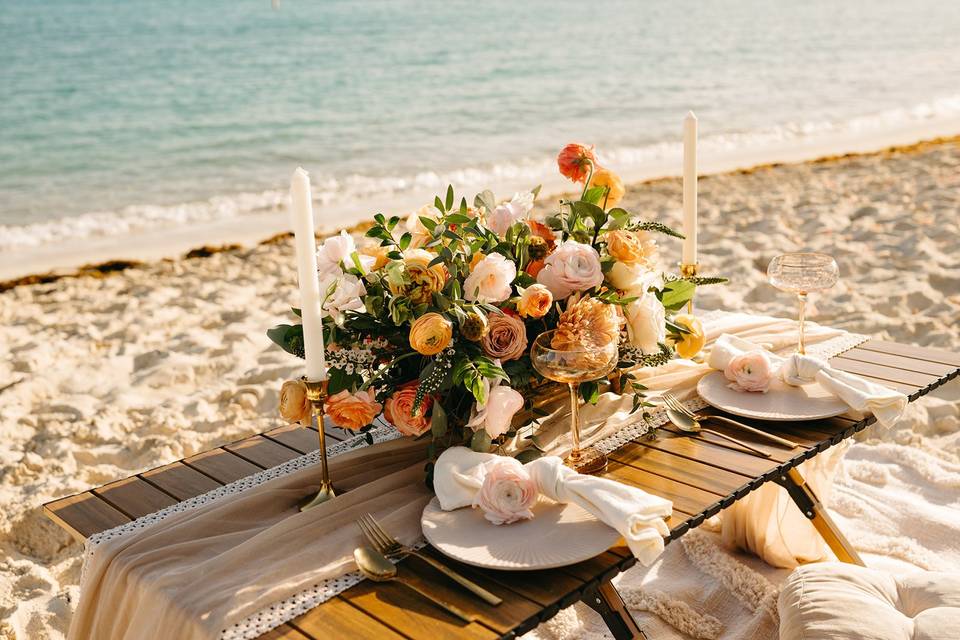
301 219
690 188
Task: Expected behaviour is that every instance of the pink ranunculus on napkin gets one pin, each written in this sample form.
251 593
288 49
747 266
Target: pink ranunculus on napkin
638 516
796 370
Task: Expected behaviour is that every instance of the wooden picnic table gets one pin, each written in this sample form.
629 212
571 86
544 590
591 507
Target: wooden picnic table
701 474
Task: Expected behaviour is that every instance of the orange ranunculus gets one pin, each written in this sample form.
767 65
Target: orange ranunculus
353 410
606 178
398 410
575 161
541 230
294 406
535 267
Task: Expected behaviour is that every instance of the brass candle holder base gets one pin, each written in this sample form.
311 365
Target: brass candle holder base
317 395
689 271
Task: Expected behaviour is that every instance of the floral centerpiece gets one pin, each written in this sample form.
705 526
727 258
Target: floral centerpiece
430 322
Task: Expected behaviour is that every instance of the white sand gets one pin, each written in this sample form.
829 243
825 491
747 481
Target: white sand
124 373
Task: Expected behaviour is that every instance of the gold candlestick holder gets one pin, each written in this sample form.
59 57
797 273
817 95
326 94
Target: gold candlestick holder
317 395
689 271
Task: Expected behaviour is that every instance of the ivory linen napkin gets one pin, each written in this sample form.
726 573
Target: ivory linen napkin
861 395
202 570
635 514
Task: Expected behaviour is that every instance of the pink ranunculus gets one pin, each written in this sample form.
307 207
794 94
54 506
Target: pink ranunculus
572 267
503 217
750 371
398 410
353 410
508 492
490 279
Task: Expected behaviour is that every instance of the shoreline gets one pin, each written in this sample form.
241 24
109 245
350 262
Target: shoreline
105 256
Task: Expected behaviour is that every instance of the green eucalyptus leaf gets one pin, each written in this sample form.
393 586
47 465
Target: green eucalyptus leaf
429 223
438 421
481 441
528 455
449 201
676 294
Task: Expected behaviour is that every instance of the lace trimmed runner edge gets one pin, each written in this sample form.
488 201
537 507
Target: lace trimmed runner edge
276 614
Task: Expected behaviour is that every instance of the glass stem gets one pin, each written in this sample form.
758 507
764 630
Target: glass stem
802 297
575 418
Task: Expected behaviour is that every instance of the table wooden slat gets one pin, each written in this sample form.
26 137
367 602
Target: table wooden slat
400 608
135 497
222 465
742 463
302 439
286 632
262 451
84 515
720 482
337 618
775 451
898 362
910 351
501 618
180 481
902 387
686 499
883 372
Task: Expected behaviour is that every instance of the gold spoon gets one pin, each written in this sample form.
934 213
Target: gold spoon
375 566
691 425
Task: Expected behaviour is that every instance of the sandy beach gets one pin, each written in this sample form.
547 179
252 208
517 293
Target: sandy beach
113 373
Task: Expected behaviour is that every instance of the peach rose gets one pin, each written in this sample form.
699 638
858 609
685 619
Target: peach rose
508 493
507 337
610 180
430 334
353 410
534 301
750 371
631 247
294 406
398 410
575 161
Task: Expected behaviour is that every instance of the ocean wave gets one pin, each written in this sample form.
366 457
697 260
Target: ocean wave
358 189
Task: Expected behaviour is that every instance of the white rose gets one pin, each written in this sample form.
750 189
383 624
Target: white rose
501 218
646 323
347 294
496 414
490 279
633 280
335 253
572 267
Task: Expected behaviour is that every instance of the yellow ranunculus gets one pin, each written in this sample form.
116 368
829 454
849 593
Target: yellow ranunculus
606 178
430 334
691 343
424 279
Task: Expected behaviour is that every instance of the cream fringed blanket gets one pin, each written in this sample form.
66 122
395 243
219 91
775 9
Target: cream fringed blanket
197 572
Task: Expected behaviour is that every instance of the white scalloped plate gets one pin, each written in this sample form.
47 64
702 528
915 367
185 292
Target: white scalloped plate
557 536
781 402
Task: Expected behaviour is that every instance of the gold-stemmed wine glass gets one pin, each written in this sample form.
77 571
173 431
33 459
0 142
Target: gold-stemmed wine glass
573 367
801 274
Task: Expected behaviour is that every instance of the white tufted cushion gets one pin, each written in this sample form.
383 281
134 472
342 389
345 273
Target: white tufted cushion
838 601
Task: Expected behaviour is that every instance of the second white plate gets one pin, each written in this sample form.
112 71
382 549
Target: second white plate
782 402
558 535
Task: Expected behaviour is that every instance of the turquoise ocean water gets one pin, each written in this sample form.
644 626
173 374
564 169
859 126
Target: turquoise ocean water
120 114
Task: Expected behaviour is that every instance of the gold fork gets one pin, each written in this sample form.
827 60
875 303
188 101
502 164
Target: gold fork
679 406
390 546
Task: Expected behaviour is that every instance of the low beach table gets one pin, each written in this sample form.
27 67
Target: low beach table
701 474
